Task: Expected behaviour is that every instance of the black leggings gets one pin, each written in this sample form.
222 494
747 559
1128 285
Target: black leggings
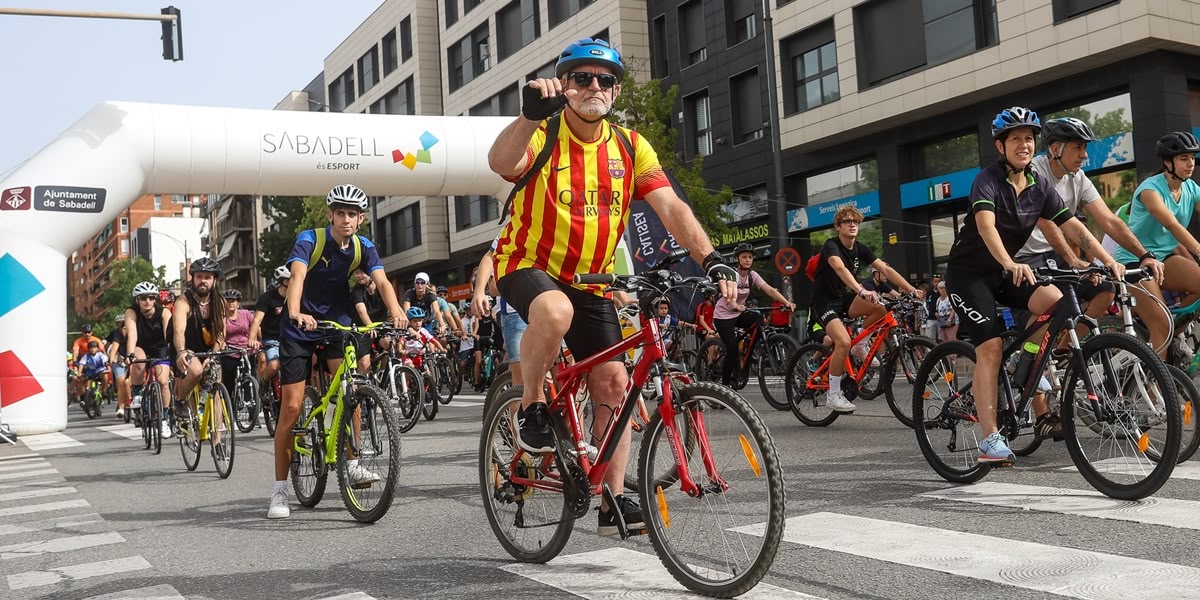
726 329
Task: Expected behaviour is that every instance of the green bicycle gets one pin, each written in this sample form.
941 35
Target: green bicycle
359 437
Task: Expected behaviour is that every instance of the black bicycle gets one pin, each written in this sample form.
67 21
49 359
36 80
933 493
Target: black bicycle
762 348
1119 405
246 400
149 414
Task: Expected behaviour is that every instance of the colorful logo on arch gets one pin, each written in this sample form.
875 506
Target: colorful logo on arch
410 159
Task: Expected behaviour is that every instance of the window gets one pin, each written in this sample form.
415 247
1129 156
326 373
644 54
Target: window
157 202
406 39
469 4
812 77
1065 9
469 57
948 156
348 86
545 72
743 23
470 211
368 67
507 103
691 33
749 203
658 46
919 33
390 59
341 91
124 247
399 101
700 122
561 10
451 12
401 230
516 26
840 183
747 96
1109 120
124 224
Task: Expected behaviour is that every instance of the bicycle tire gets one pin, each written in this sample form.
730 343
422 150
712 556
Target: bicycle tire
1143 372
707 370
156 418
456 376
429 407
408 403
779 347
807 405
943 404
245 400
270 410
502 382
310 473
189 440
445 385
504 502
378 446
908 357
679 524
223 427
146 417
1189 401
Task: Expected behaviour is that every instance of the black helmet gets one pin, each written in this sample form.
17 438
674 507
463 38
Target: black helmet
205 264
1175 143
441 289
233 295
1014 118
1066 129
87 328
743 247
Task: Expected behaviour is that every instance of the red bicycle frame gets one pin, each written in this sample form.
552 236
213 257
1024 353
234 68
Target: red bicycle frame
819 380
571 378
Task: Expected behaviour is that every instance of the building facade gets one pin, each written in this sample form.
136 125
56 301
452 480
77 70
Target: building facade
233 223
170 243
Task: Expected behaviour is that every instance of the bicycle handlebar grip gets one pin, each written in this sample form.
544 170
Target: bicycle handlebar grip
596 279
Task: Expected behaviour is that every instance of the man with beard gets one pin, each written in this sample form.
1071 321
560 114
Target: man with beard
196 326
576 176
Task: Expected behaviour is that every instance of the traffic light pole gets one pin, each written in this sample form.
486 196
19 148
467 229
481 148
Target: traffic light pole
170 18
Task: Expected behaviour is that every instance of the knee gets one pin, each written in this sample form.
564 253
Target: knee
554 316
841 339
608 382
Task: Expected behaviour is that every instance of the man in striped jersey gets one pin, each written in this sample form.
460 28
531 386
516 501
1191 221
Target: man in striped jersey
567 217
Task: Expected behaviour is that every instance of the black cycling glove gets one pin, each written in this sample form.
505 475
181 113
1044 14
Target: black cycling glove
717 270
536 108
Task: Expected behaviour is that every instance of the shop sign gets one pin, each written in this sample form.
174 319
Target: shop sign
820 215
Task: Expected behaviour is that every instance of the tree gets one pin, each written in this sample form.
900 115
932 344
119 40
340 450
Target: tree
124 275
1108 124
275 243
646 108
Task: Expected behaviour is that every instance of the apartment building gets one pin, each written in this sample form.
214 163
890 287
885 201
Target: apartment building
234 221
89 270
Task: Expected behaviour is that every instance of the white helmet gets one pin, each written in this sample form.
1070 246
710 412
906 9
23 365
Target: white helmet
144 288
283 272
349 194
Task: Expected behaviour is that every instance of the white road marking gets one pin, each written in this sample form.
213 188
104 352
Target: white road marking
351 596
16 465
37 493
1186 470
158 592
1057 570
68 521
19 457
63 544
618 573
94 569
457 402
24 474
32 508
125 430
48 441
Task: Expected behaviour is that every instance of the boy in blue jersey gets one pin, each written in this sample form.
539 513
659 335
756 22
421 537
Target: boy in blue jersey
320 290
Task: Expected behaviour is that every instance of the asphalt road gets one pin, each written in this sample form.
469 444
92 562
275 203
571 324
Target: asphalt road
93 515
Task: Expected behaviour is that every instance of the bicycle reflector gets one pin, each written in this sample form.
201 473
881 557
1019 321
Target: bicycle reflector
662 507
1143 442
750 457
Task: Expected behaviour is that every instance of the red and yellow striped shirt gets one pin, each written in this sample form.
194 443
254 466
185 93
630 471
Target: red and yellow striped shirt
569 217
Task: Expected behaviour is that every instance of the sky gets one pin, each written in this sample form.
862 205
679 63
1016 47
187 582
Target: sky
242 54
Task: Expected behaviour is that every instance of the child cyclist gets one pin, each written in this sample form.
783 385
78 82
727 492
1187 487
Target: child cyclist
419 339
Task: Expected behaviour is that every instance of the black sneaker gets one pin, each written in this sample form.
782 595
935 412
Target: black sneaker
1048 426
607 526
533 429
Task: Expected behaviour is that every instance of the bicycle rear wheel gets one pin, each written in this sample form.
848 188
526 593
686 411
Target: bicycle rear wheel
722 542
808 405
530 520
270 408
245 402
708 368
152 410
1188 398
906 361
369 485
189 439
146 416
429 406
444 381
408 394
309 469
948 430
221 430
1125 440
772 371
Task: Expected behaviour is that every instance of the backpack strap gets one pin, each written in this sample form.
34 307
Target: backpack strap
552 128
318 246
319 249
624 139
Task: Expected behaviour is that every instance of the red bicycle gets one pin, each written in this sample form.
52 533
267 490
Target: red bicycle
711 484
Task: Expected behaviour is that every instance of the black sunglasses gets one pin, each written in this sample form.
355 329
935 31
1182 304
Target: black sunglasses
147 298
584 79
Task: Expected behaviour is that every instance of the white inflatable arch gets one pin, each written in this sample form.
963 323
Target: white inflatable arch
55 201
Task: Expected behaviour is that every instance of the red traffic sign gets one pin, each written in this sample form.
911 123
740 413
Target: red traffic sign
787 260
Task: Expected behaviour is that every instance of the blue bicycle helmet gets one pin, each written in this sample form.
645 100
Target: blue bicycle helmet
1014 118
590 51
416 312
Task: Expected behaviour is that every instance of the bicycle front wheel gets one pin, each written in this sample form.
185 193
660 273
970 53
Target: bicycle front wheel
246 402
221 430
407 393
310 472
773 369
1188 398
189 439
1124 440
522 492
153 402
947 426
722 542
444 381
368 458
808 405
429 406
270 408
906 361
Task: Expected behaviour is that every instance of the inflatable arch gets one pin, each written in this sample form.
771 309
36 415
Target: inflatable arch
51 204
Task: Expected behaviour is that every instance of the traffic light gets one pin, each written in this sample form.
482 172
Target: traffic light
172 35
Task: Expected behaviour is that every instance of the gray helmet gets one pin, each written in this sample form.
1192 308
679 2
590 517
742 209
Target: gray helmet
145 288
348 194
283 272
205 264
1175 143
1066 129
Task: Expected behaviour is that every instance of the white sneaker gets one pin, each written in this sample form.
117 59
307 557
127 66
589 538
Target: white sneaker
166 429
838 402
136 402
279 505
361 477
120 413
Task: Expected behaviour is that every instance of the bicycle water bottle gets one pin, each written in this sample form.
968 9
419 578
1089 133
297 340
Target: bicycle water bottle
1028 351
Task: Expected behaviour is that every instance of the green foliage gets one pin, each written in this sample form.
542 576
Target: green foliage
646 108
949 156
124 275
1110 123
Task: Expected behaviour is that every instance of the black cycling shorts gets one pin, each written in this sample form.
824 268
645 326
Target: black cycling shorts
295 358
974 294
824 310
1086 290
594 326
